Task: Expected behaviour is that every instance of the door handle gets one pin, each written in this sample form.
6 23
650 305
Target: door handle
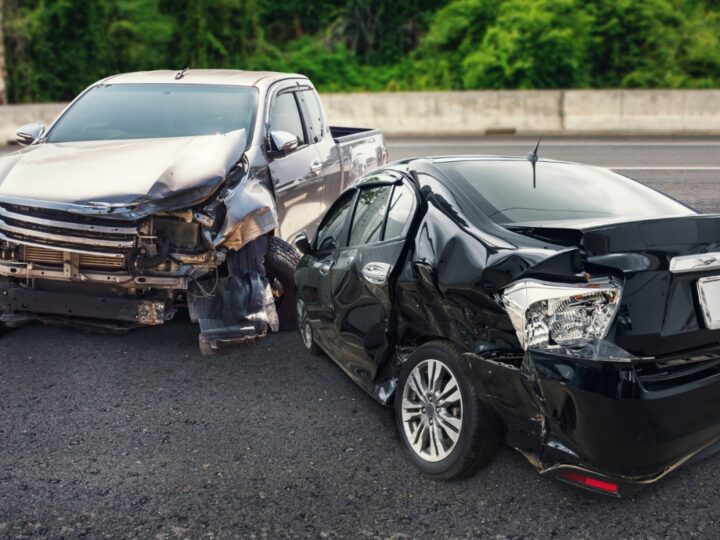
316 167
324 268
376 273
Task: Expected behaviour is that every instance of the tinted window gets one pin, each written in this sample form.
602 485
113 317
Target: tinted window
146 111
285 116
369 215
400 212
329 233
504 192
315 116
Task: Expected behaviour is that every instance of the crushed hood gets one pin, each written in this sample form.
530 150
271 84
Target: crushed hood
128 177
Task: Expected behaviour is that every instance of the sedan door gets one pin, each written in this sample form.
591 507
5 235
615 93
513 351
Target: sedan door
313 276
363 273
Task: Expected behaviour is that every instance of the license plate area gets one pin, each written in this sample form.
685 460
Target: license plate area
709 295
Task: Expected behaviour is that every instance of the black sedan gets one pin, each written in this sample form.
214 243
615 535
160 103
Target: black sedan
565 310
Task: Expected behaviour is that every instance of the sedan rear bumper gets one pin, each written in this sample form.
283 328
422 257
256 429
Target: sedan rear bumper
603 417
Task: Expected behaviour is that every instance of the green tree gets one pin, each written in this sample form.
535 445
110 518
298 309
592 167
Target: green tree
138 36
542 44
634 43
455 32
70 46
213 33
382 32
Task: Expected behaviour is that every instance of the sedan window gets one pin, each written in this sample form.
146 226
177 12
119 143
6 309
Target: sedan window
369 215
400 212
506 192
329 235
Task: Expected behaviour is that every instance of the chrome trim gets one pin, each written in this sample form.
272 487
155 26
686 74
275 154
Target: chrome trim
68 239
29 271
67 225
376 272
707 299
60 248
695 263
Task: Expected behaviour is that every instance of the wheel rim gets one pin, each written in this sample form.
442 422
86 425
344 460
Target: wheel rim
432 410
304 325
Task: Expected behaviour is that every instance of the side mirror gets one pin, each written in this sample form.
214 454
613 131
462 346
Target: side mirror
285 143
29 133
302 243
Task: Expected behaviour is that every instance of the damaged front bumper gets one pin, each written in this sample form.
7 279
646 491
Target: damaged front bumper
81 270
611 426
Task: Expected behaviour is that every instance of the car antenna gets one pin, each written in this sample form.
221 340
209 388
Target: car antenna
180 74
533 158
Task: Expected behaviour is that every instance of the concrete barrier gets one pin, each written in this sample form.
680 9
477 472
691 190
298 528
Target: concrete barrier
549 112
449 113
642 111
472 113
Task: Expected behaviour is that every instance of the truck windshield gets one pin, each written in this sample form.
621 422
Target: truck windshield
504 192
148 111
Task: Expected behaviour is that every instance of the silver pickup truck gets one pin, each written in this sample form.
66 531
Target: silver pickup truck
157 191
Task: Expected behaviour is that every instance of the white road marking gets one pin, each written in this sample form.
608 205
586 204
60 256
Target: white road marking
523 144
636 168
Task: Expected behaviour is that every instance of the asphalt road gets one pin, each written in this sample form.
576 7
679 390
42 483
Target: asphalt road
140 436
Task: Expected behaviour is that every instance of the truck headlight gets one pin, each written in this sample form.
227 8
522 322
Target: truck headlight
552 315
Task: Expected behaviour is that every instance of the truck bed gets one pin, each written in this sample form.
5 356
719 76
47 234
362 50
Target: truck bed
350 134
360 150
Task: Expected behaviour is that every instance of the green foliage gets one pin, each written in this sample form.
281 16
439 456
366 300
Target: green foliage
454 34
541 45
211 33
54 48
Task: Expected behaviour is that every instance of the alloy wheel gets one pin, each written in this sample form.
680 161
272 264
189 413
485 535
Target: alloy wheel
432 410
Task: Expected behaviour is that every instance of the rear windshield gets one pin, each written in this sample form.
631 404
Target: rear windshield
147 111
504 192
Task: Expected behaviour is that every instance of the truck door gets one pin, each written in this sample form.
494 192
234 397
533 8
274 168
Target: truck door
363 273
297 174
326 146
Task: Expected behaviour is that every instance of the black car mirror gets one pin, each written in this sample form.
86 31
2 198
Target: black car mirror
302 243
29 133
284 143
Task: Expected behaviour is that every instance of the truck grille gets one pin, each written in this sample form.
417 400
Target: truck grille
28 226
50 238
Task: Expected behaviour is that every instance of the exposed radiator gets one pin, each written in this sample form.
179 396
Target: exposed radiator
51 257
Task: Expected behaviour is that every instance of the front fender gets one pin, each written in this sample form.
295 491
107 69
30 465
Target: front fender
250 213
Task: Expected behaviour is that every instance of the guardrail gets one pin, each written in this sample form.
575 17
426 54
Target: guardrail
522 112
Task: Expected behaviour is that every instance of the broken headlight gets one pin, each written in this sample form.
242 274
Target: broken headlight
551 315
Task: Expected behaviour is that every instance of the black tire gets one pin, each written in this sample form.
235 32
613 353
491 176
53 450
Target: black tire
477 440
305 329
281 260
